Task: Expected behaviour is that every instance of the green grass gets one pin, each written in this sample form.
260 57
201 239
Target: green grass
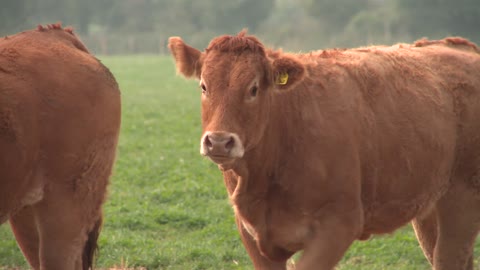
167 207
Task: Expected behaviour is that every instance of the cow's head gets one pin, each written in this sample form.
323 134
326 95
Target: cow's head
238 79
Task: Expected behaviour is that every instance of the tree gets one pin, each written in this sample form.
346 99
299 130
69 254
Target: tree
201 20
14 15
335 14
17 15
439 18
223 16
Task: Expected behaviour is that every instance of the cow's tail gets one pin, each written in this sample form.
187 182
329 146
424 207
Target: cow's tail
91 248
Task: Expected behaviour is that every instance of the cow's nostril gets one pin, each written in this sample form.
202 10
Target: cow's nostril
207 142
230 144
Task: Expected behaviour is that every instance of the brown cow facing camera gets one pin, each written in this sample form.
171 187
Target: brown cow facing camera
59 126
323 148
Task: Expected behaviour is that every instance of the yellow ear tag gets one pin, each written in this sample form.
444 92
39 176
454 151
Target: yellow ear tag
282 78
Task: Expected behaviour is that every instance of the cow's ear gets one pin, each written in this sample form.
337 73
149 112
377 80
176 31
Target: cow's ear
287 72
187 59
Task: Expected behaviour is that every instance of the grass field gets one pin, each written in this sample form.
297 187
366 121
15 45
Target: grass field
167 207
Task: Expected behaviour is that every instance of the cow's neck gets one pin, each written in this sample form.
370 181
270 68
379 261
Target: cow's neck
262 165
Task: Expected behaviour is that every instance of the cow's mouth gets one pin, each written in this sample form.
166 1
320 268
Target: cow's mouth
224 162
221 160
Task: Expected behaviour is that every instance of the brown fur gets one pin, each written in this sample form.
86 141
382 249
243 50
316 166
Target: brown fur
237 44
59 126
356 142
451 41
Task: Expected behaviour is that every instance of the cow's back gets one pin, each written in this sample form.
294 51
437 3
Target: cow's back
59 113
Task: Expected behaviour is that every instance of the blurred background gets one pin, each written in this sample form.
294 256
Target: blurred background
143 26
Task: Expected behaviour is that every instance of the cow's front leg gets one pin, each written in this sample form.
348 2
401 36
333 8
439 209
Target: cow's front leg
332 234
260 262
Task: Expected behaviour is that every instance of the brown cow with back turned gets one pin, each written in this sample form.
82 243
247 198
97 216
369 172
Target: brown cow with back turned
59 126
320 149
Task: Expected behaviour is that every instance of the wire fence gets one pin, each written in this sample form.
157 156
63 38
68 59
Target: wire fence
114 44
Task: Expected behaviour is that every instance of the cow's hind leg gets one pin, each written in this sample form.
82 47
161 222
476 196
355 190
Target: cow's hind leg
61 238
458 225
65 231
24 228
426 231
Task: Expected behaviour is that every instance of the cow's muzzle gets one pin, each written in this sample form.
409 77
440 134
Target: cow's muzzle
221 147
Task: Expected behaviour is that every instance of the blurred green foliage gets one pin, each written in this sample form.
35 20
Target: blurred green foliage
143 26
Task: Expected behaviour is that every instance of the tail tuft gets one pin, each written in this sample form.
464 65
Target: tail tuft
91 248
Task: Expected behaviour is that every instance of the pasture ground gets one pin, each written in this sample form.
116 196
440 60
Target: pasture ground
167 207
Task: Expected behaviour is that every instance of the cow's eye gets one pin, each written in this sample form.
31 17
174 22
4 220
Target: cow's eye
204 89
253 91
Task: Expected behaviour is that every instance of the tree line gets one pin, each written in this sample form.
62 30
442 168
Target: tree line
292 24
